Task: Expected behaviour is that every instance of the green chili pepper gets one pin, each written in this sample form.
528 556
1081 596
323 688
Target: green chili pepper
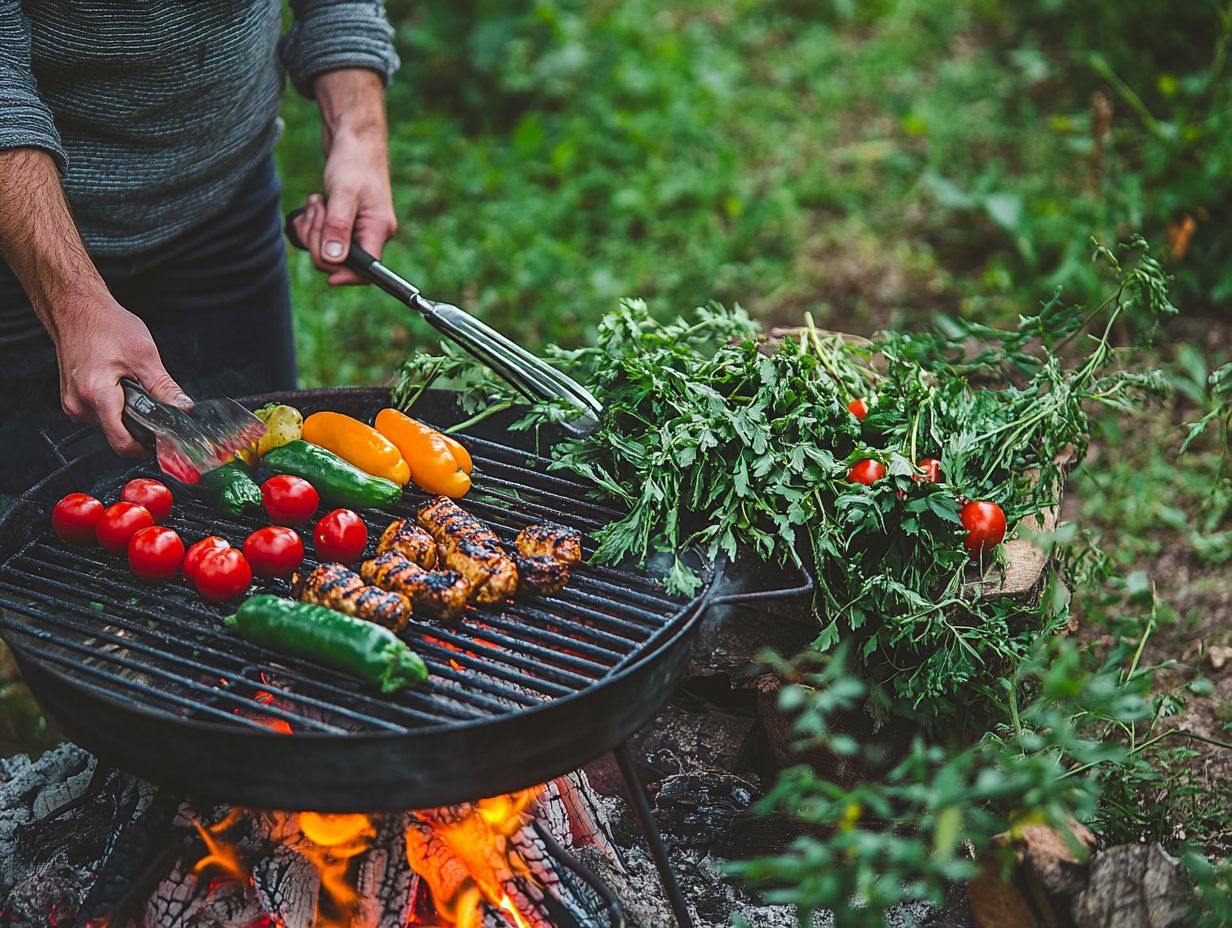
231 489
337 481
363 649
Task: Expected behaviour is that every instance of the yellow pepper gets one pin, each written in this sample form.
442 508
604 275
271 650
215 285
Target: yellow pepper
357 443
283 424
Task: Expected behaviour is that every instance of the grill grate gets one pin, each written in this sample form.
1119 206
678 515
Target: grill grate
166 651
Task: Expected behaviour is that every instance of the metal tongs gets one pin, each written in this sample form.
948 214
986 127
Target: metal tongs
531 376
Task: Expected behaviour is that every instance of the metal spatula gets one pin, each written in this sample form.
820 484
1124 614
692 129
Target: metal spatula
531 376
188 444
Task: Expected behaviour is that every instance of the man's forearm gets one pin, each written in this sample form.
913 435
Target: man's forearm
352 102
38 238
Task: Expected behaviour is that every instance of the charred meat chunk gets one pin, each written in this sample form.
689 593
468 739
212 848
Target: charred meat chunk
541 575
340 588
551 540
435 594
404 537
469 547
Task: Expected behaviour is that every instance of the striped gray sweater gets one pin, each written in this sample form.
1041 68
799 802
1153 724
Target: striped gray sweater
156 109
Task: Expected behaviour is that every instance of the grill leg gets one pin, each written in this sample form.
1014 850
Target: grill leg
645 818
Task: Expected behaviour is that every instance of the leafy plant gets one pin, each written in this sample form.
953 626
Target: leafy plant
713 443
899 837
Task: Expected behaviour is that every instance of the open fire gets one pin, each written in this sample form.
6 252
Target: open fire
493 863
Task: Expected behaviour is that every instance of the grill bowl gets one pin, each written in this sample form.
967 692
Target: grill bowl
150 680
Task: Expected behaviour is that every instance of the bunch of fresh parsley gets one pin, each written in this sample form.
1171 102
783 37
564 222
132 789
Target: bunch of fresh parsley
714 439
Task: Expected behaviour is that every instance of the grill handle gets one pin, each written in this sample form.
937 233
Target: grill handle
804 586
531 376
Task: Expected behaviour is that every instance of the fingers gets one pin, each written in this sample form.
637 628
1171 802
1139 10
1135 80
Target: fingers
327 228
158 382
371 232
100 401
340 210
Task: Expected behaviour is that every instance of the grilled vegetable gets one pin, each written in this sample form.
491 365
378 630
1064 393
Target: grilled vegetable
436 594
540 575
232 490
273 551
283 423
460 454
364 650
76 516
340 536
409 540
358 443
339 588
434 467
337 481
222 574
289 500
152 494
470 548
118 523
551 540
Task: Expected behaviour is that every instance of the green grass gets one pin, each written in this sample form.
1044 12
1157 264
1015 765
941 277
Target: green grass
867 162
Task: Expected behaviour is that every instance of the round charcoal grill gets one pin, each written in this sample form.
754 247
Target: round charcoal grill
149 678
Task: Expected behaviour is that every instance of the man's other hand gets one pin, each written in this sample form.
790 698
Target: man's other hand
357 202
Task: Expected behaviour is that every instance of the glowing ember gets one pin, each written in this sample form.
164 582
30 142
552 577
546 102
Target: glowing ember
465 856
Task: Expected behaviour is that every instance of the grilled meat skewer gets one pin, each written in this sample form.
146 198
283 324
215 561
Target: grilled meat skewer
540 576
435 594
469 547
340 588
551 540
404 537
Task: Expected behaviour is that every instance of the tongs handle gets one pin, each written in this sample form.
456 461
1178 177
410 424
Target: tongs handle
530 375
142 413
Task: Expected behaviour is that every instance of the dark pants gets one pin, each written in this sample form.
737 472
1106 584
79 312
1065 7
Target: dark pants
216 299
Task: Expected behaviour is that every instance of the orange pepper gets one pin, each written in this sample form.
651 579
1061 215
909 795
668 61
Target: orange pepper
433 465
460 454
357 443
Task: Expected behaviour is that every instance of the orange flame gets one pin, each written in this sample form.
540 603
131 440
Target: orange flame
335 839
480 843
220 854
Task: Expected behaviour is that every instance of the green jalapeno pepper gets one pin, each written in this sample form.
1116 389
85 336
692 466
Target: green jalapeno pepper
337 481
363 649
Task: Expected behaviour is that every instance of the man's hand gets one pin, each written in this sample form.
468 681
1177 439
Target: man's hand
102 343
97 341
357 201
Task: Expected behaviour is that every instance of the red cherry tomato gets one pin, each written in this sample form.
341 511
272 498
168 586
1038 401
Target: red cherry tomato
289 500
120 522
151 494
866 472
192 560
274 551
340 536
155 553
222 574
985 525
858 408
930 471
75 518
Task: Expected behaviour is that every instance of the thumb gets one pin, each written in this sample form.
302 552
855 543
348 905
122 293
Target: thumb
162 387
340 210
